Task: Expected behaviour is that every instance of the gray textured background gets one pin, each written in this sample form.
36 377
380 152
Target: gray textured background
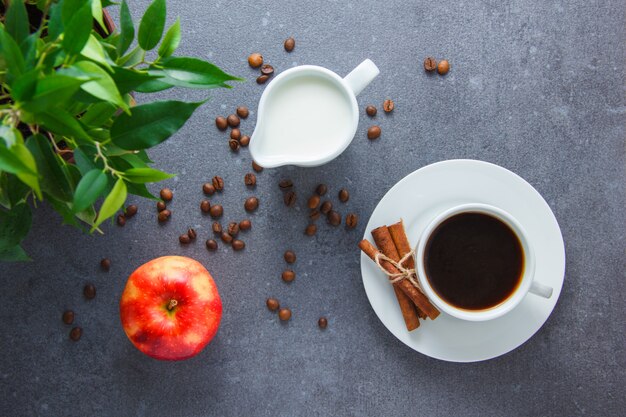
537 87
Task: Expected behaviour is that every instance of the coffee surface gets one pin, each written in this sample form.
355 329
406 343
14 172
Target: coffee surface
474 261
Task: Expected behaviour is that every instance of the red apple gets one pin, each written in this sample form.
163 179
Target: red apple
170 308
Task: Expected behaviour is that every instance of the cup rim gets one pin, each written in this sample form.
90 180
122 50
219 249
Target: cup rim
505 306
280 160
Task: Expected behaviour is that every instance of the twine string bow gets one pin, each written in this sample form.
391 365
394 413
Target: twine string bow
404 273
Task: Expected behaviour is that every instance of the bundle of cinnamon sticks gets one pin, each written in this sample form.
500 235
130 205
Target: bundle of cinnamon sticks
393 242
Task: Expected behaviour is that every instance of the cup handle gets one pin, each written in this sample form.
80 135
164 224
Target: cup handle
540 290
361 76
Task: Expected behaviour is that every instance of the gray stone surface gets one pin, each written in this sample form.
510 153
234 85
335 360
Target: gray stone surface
537 87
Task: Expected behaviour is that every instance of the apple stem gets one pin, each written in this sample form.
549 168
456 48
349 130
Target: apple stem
173 303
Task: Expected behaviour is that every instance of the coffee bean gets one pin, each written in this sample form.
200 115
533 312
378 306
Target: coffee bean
243 112
251 203
326 207
443 67
164 215
288 275
314 215
290 198
351 220
262 79
430 64
256 167
245 224
235 134
226 238
290 43
192 234
373 132
267 69
76 333
249 179
131 211
310 230
322 322
255 60
290 256
272 304
207 188
233 144
221 122
314 201
89 291
321 189
166 194
121 220
218 183
238 245
233 229
205 206
388 106
68 317
233 120
284 314
216 227
216 211
184 238
344 195
211 245
334 218
285 184
371 111
161 206
244 141
105 264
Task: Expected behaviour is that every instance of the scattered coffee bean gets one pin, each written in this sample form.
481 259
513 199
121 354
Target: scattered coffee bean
256 167
89 291
233 144
221 122
208 188
371 111
373 132
76 333
322 322
262 79
216 227
344 195
121 220
131 211
243 112
251 203
290 43
218 183
245 224
184 238
192 233
334 218
211 245
226 238
443 67
267 69
216 211
164 215
249 179
284 314
161 206
244 141
205 206
288 275
326 207
233 120
351 220
314 201
233 229
272 304
285 184
388 106
238 244
321 189
166 194
105 264
290 256
235 134
314 215
430 63
310 230
290 198
68 317
255 60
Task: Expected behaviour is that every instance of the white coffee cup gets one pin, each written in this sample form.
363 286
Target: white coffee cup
527 283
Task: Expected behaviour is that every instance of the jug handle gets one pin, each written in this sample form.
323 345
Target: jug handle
361 76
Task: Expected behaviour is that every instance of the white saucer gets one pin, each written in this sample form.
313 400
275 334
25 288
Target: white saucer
417 198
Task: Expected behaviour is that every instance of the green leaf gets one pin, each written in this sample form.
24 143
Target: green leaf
16 21
154 85
101 85
54 179
11 160
195 71
10 135
96 12
55 24
52 91
14 254
150 124
29 50
14 225
144 175
128 80
17 159
142 191
112 203
127 29
94 51
77 20
61 122
83 155
152 25
89 189
24 87
10 56
133 57
171 40
98 114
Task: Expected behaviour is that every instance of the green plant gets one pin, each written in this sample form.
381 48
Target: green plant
68 131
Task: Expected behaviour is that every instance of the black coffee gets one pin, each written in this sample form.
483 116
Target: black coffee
474 261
